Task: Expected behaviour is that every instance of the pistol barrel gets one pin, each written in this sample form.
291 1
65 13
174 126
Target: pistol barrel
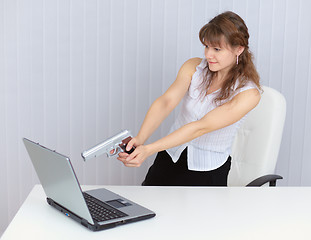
105 146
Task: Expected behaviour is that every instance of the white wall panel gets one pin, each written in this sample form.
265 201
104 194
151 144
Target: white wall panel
4 211
73 72
102 91
277 44
300 94
306 163
290 61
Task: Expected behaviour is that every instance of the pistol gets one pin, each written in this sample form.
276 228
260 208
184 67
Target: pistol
111 146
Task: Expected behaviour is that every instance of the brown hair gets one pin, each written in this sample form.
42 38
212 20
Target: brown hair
235 32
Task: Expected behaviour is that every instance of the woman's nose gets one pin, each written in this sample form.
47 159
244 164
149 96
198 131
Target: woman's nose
208 53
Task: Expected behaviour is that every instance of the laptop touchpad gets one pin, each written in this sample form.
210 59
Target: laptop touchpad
118 203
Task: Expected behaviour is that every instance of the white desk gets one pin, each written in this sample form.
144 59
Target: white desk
182 213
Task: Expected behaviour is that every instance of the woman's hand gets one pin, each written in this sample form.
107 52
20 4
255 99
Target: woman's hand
134 142
136 158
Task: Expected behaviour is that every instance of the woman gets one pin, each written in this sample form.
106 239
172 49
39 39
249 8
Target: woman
217 91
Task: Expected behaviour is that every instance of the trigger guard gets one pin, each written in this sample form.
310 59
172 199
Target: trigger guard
115 151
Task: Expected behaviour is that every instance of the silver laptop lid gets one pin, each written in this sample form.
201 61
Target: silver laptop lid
58 179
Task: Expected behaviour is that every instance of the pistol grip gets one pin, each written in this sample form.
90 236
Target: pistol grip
129 152
124 144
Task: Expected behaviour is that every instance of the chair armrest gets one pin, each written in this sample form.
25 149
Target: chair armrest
271 178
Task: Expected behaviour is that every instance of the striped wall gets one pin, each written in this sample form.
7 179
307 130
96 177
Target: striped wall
73 72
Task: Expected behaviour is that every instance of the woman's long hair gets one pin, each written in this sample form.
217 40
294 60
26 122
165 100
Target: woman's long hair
235 32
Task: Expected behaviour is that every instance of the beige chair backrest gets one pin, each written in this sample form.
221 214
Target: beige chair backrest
256 146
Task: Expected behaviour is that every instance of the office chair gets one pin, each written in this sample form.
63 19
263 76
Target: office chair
257 143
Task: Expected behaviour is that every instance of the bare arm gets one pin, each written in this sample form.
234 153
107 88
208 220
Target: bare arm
220 117
164 105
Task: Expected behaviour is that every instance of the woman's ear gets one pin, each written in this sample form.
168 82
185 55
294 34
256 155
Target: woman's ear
239 50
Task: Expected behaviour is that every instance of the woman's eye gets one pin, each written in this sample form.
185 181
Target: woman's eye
217 49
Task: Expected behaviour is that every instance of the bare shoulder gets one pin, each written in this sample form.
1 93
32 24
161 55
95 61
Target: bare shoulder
189 67
250 97
193 62
253 93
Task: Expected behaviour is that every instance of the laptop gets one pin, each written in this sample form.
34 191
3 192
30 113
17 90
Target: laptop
97 209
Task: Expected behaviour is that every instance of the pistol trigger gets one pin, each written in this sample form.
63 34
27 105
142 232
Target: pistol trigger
111 152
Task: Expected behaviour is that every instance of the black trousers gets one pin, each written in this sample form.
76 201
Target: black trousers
164 172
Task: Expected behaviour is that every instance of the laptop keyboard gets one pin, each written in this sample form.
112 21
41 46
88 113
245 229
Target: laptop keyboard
101 211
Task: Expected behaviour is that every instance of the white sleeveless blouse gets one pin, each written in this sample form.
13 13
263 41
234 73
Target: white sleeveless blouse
210 150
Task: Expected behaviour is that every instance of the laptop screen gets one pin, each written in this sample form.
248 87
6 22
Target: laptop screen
58 178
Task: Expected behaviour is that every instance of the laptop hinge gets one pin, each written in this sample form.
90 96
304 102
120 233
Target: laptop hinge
94 227
70 214
84 222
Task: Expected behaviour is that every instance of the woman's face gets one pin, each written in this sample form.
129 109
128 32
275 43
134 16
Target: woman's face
221 58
